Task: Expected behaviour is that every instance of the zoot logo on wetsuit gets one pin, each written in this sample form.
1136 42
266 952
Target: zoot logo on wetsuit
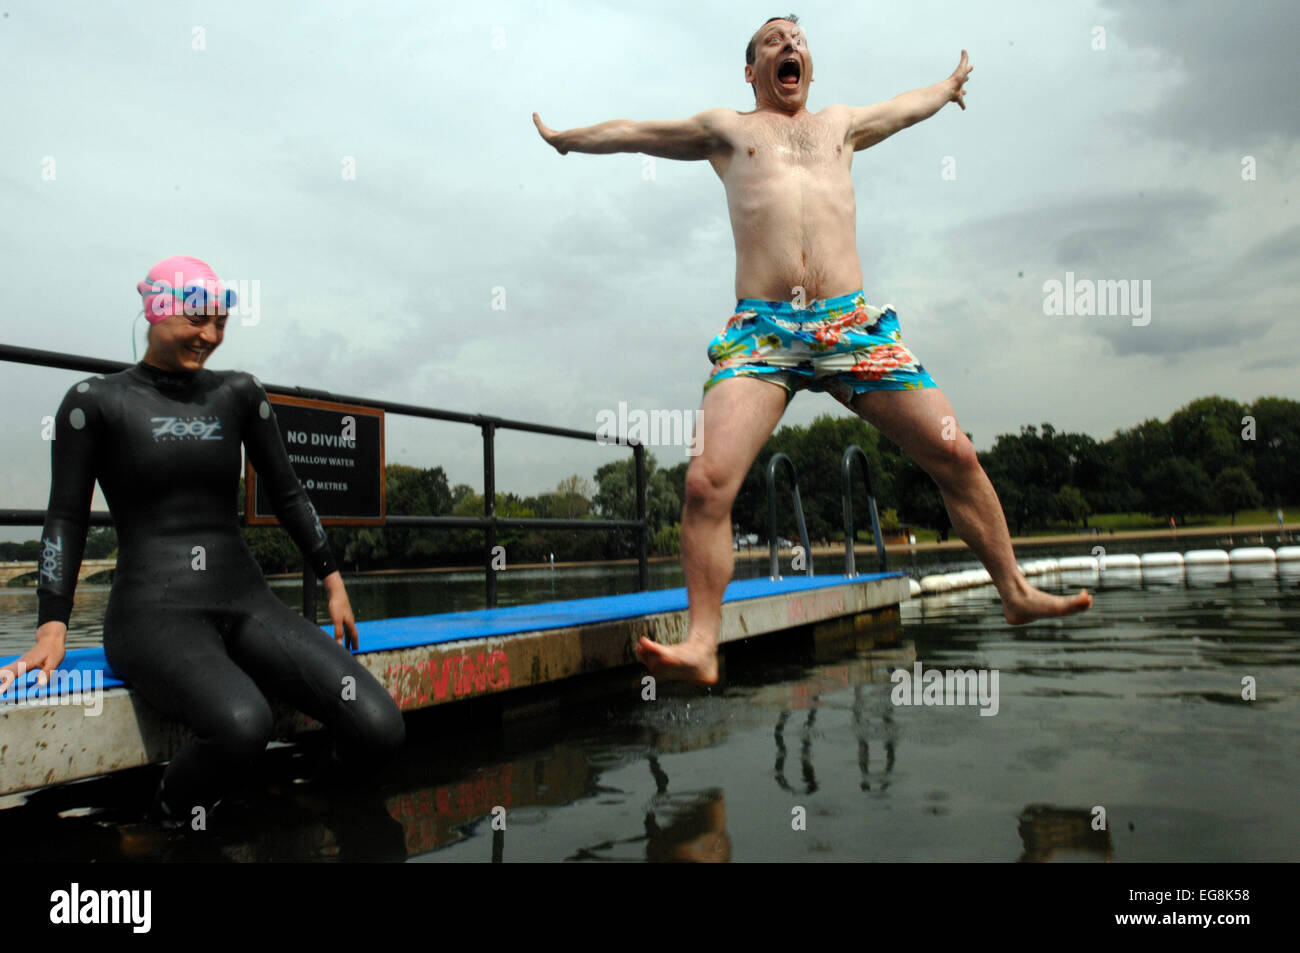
52 561
186 428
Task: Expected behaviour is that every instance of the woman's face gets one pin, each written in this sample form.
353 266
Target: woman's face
182 342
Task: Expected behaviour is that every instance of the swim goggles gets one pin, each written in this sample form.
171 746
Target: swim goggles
195 294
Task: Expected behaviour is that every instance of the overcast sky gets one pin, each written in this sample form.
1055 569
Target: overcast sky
121 143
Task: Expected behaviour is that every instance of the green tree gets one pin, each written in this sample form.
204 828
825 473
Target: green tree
414 491
571 499
1207 431
1272 439
24 552
101 542
1176 487
365 547
1023 468
816 452
616 499
1071 506
668 541
1235 491
1138 451
273 548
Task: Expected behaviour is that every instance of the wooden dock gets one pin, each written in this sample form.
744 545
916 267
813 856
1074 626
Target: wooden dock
88 723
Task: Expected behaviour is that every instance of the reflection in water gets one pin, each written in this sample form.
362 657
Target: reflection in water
861 715
805 753
695 832
1136 704
282 821
1046 831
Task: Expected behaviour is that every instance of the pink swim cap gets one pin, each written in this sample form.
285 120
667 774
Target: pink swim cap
185 275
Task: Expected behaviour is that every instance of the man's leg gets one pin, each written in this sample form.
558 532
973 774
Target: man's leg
917 420
736 418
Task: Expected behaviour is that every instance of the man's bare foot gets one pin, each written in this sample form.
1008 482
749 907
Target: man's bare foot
1030 604
691 661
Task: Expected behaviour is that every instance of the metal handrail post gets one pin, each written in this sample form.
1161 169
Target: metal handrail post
489 510
774 565
846 494
643 535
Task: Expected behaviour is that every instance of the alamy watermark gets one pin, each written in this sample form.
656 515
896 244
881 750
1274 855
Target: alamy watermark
1125 297
650 428
63 688
946 687
242 297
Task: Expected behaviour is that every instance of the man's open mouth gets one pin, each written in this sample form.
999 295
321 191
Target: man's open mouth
788 73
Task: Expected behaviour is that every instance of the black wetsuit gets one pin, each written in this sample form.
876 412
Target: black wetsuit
191 624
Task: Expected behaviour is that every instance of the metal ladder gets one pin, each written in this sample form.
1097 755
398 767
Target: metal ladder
779 458
846 494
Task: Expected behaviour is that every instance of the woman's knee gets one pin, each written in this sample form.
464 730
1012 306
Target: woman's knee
374 724
243 730
385 731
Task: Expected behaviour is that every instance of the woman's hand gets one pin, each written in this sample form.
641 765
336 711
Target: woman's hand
43 658
345 626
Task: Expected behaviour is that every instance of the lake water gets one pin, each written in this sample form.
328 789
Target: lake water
1134 709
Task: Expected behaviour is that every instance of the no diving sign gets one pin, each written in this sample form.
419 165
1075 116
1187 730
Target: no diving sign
337 451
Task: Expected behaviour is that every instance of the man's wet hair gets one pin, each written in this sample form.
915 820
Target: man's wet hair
749 49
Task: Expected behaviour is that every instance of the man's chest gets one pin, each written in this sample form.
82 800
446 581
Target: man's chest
805 141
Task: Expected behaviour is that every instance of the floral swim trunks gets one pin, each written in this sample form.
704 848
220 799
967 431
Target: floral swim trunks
842 346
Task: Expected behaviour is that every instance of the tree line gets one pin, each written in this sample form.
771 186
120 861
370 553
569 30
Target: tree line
1213 456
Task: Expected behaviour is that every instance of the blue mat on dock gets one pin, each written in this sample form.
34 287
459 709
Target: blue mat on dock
382 635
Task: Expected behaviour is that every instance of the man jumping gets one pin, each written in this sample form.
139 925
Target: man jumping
802 322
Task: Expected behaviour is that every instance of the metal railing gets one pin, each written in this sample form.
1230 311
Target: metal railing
779 458
489 522
846 492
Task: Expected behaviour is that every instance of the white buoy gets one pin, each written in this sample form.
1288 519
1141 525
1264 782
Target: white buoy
1077 563
935 584
1252 554
1161 560
1206 557
1162 575
1288 554
971 577
1123 561
1123 570
913 587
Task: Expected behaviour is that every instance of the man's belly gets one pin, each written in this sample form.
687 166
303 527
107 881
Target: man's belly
797 277
780 258
795 232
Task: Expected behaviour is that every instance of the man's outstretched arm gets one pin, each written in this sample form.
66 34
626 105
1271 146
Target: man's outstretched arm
871 124
695 138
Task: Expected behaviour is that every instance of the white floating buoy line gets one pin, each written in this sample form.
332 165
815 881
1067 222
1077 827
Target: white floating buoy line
1196 566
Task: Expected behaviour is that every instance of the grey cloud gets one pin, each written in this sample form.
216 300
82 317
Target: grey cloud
1239 65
